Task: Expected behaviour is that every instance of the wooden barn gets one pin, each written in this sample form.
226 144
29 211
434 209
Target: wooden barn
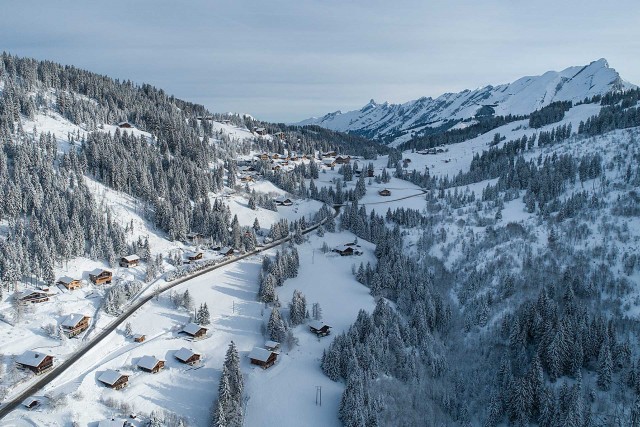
114 379
139 337
260 131
31 403
32 296
226 251
384 192
129 261
69 283
35 361
329 154
319 328
194 330
125 125
194 256
150 364
263 357
283 201
343 160
329 162
75 324
187 356
100 276
344 250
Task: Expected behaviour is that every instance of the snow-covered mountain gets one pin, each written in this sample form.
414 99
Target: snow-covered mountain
397 122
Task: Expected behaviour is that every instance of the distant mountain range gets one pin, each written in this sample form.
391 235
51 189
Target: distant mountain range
396 123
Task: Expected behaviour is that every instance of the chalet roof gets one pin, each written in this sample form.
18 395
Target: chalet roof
113 422
226 250
328 161
260 129
343 248
261 354
193 254
98 271
131 258
282 199
110 376
28 292
318 324
66 279
184 354
271 344
192 328
148 362
72 320
31 358
137 336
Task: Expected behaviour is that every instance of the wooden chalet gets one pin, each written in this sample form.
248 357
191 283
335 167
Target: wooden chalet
263 156
114 379
69 283
75 324
100 276
263 357
226 251
279 135
30 403
319 328
329 154
384 192
32 296
139 337
283 201
260 131
150 364
329 162
35 361
194 330
194 256
187 356
343 160
129 261
272 346
125 125
344 250
246 178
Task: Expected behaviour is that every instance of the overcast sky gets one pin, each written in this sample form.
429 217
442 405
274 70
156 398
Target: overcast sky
286 60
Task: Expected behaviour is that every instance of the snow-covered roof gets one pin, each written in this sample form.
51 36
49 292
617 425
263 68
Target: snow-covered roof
29 401
193 254
343 248
97 271
72 320
28 292
184 354
192 328
148 362
66 279
137 336
271 344
131 258
282 199
110 376
226 250
318 324
31 358
112 422
261 354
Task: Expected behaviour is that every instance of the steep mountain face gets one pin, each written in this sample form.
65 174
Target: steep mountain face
399 122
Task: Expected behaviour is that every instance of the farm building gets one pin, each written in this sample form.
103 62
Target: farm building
31 403
272 346
263 357
125 125
283 201
260 131
32 296
194 330
150 364
319 328
35 361
139 337
114 379
75 324
226 251
384 192
329 162
69 283
129 261
100 276
342 160
329 154
194 256
187 356
347 250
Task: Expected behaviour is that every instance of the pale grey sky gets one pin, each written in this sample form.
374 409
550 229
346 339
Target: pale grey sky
286 60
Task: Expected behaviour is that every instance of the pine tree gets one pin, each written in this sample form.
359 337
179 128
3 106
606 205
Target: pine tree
276 328
605 366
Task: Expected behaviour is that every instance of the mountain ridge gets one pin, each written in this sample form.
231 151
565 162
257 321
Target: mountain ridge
400 122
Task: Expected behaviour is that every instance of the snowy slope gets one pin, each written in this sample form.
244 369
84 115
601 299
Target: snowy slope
523 96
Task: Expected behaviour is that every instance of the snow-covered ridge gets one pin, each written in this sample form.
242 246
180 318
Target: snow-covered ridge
520 97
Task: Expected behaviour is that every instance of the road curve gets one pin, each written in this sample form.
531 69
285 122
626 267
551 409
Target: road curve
10 405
